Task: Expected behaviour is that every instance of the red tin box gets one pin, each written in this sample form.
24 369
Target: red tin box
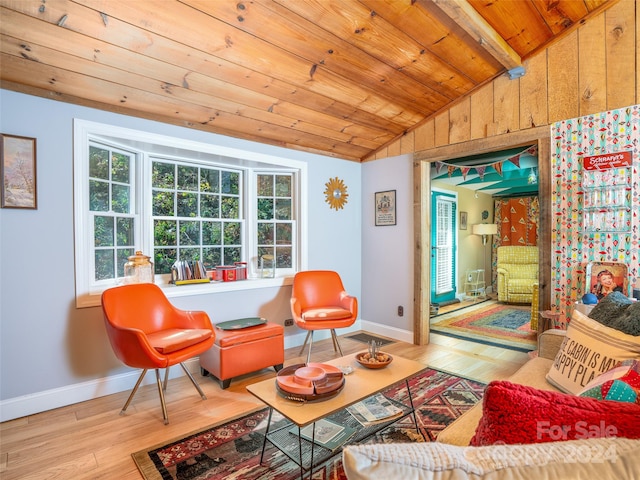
226 273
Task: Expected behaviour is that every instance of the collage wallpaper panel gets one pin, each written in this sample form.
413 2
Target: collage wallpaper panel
579 232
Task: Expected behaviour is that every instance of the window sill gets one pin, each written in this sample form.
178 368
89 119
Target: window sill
174 291
220 287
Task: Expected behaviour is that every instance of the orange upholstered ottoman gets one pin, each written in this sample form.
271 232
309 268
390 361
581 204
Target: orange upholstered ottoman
242 350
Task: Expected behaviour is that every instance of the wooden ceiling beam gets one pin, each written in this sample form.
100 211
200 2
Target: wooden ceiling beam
467 18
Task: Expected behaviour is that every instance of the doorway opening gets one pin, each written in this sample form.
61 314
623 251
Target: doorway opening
490 189
476 186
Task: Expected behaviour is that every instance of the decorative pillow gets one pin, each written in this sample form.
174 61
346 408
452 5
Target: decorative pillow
513 413
619 312
588 350
621 383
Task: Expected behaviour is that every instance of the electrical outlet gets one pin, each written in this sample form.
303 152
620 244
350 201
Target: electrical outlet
400 311
288 322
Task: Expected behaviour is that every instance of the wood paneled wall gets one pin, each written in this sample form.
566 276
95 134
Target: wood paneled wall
592 69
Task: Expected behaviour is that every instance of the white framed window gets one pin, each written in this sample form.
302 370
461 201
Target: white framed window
276 219
445 244
196 214
174 200
112 207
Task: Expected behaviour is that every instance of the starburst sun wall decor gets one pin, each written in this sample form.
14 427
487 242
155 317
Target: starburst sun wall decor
336 193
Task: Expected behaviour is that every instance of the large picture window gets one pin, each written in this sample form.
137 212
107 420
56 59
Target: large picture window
197 214
175 201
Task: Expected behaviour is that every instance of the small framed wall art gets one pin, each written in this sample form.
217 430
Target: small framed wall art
18 172
463 220
604 278
385 205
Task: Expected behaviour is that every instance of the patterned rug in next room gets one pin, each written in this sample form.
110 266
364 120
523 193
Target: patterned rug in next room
231 449
490 323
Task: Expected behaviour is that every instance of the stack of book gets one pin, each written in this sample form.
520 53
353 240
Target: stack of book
183 272
375 409
331 435
327 433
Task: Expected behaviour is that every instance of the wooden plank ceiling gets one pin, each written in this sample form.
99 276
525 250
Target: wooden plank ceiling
342 78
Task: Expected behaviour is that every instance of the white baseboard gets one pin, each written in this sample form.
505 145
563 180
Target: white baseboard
80 392
387 331
31 404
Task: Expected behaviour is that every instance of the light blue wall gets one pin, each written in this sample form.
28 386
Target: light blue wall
46 344
387 251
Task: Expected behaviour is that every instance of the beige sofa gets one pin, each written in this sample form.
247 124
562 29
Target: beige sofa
532 373
450 457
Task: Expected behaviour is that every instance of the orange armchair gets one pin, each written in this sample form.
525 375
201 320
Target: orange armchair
319 302
146 331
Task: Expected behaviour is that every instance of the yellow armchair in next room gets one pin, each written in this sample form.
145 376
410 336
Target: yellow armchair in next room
517 269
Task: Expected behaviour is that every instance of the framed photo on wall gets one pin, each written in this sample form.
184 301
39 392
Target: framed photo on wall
385 205
607 277
18 172
463 220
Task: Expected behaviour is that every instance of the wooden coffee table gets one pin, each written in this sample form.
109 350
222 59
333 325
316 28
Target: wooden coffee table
360 384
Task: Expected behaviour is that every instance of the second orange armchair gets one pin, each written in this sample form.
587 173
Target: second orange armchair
320 302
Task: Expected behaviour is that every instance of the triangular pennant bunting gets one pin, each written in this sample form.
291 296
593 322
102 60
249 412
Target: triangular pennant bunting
481 169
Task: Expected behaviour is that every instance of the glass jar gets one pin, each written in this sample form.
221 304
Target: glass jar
267 266
139 269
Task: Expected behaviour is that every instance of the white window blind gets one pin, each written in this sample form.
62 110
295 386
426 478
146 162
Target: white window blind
445 209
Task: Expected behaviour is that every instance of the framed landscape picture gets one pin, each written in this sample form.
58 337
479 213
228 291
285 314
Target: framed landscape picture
18 171
607 277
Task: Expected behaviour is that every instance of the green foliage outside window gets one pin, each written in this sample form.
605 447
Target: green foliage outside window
163 175
110 197
209 206
275 218
187 205
200 202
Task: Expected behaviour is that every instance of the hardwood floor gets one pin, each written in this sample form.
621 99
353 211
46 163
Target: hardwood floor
90 440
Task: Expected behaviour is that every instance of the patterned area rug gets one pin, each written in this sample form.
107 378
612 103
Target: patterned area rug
491 323
232 449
